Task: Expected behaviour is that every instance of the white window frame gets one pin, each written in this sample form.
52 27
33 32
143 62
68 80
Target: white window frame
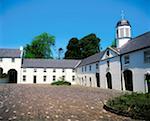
24 78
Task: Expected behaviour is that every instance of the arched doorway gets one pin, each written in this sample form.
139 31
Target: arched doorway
128 80
1 71
147 78
12 76
97 80
109 80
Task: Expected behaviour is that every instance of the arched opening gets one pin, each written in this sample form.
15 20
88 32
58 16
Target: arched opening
128 80
147 78
97 80
90 81
109 80
12 76
1 71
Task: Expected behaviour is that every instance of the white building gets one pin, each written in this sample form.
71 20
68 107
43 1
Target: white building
126 67
123 68
27 71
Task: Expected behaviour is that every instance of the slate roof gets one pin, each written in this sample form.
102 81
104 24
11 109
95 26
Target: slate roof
49 63
92 59
139 42
10 53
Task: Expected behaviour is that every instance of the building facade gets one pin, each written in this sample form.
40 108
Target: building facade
126 67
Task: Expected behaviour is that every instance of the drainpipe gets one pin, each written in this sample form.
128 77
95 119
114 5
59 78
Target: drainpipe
121 72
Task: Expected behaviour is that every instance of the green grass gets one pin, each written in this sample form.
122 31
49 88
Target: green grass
135 104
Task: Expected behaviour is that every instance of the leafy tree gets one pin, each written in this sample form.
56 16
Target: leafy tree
114 44
40 47
89 45
79 49
73 49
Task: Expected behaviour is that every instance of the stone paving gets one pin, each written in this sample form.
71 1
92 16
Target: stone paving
51 103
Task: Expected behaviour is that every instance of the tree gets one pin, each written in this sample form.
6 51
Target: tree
79 49
73 49
40 47
89 45
113 44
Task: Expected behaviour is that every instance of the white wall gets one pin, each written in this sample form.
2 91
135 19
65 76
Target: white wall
6 64
115 71
138 68
83 78
68 73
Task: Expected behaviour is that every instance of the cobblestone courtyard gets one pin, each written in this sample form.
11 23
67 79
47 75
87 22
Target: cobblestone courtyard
51 103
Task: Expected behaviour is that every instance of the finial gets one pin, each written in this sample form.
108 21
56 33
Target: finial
122 14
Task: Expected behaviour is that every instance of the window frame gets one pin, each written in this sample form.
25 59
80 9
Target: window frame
54 78
73 78
126 59
24 78
44 78
147 57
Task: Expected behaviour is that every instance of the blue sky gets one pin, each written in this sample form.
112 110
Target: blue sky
21 20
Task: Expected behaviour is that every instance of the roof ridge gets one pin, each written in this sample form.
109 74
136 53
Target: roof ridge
134 39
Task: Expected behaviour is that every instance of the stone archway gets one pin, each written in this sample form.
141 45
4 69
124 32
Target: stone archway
109 80
128 78
12 76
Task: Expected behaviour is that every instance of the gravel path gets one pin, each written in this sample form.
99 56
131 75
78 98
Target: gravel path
51 103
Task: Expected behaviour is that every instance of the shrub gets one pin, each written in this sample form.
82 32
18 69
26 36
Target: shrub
137 105
61 83
4 75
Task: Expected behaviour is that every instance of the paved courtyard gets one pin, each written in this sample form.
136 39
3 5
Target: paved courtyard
51 103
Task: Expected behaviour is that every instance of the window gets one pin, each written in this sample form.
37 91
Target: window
24 78
63 77
89 67
54 70
82 69
63 70
35 70
108 64
54 78
24 69
73 70
44 78
44 70
73 78
13 60
147 56
85 68
1 59
126 59
127 32
121 32
97 66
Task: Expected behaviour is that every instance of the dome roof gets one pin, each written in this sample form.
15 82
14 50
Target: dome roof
123 23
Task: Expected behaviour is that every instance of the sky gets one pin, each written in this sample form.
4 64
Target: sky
22 20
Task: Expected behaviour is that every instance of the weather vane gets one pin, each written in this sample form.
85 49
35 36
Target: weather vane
122 14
